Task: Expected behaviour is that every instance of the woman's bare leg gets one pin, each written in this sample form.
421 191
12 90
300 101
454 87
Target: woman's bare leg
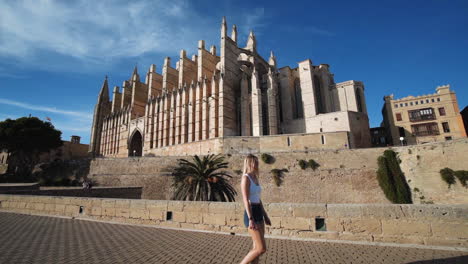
261 228
259 246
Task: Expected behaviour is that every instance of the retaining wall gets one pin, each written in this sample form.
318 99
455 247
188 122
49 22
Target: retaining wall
442 225
105 192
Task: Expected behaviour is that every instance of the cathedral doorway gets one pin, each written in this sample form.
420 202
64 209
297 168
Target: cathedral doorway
136 145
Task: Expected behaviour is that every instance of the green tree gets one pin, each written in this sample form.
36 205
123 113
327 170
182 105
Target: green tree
203 179
24 139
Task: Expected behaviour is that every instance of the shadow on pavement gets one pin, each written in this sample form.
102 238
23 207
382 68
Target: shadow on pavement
454 260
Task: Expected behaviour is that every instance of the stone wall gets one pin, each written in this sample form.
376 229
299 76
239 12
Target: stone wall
107 192
243 145
441 225
344 176
422 163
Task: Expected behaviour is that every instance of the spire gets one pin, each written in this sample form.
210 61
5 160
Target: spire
104 93
223 27
234 33
272 60
251 42
135 76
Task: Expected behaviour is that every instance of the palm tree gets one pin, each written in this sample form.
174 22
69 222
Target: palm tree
203 179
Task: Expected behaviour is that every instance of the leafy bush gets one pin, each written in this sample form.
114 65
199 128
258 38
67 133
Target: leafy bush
448 175
61 173
238 172
303 164
392 180
313 164
462 176
267 158
278 175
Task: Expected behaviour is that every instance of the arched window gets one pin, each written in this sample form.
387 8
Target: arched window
319 107
298 108
358 99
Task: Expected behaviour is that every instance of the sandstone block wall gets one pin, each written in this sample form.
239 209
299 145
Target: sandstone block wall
443 225
344 176
422 163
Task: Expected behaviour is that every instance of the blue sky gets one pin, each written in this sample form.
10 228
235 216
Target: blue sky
54 54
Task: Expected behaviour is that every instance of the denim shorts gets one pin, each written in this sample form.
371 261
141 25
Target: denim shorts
257 214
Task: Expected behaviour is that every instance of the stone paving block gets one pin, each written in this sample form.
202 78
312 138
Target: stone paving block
108 211
368 226
160 205
276 209
138 204
309 210
97 202
344 210
122 212
334 224
235 219
60 208
139 213
454 230
298 223
405 228
275 221
49 207
96 211
108 204
399 239
178 217
383 211
193 217
156 214
437 241
214 219
72 209
122 203
222 208
175 206
196 207
321 235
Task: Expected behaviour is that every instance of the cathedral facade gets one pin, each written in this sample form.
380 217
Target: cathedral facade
235 93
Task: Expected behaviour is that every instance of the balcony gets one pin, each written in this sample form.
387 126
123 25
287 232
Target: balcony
426 133
426 129
419 115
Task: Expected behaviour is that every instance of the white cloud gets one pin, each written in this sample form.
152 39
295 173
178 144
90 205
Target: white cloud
48 109
93 30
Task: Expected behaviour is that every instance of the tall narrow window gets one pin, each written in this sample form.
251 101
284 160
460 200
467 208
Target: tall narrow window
319 107
299 108
445 126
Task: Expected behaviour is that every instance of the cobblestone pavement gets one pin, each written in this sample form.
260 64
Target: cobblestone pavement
40 239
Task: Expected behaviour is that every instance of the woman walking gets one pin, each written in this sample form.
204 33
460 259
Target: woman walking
255 216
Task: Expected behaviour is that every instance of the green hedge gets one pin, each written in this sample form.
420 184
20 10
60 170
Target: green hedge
392 180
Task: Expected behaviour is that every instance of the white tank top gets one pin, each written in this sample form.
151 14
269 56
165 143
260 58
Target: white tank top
254 191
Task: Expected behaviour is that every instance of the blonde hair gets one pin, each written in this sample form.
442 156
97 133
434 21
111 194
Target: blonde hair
251 165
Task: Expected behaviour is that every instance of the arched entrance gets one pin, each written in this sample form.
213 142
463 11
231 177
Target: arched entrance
136 145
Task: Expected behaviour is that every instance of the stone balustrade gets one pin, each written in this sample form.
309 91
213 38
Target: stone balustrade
442 225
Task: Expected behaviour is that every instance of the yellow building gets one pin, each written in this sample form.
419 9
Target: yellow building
423 119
